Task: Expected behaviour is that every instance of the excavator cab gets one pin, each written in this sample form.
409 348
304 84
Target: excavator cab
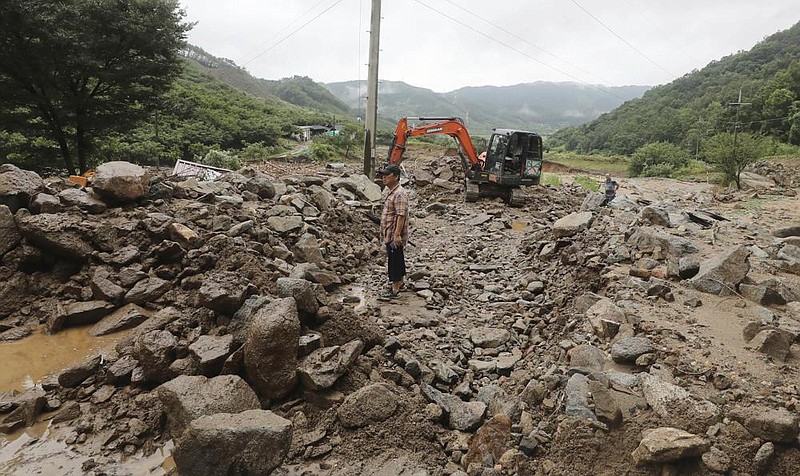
514 154
513 159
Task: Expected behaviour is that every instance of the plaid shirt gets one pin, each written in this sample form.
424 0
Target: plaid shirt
396 205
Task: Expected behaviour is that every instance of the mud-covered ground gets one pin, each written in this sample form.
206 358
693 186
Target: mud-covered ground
533 340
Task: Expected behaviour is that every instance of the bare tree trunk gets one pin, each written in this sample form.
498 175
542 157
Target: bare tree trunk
65 152
81 144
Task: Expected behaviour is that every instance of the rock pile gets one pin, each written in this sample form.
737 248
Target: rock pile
560 338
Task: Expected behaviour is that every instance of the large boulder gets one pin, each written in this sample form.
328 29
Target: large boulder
60 234
489 443
9 234
105 289
790 258
147 290
223 292
593 201
26 407
572 224
460 415
307 249
605 318
79 314
186 398
45 203
722 274
371 404
786 231
302 291
126 317
18 186
75 197
240 323
777 425
577 402
663 445
211 352
655 216
270 348
772 342
250 442
155 351
360 185
261 186
323 367
285 224
73 376
489 337
648 239
122 181
587 358
628 349
677 406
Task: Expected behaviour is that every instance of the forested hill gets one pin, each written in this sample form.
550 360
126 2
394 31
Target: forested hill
298 90
697 105
541 106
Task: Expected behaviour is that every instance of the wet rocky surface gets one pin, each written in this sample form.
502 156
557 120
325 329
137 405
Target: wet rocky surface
658 335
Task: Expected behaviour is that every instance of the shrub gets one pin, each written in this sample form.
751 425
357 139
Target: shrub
660 157
322 150
222 158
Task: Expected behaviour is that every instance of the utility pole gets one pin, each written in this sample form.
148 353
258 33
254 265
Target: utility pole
370 148
738 105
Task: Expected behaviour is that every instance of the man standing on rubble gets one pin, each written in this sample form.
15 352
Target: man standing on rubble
610 188
394 229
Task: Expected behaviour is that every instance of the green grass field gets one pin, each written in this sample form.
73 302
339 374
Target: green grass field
616 165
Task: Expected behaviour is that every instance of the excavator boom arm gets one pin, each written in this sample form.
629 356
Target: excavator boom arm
452 126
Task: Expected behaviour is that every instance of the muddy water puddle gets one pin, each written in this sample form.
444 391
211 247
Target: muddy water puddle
41 450
27 361
517 225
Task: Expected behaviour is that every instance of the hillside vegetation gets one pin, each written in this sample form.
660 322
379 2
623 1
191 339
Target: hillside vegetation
298 90
730 113
696 106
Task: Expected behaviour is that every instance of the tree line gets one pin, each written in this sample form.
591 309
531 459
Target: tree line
87 81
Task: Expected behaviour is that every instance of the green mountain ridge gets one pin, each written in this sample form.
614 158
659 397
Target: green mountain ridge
698 105
540 106
297 90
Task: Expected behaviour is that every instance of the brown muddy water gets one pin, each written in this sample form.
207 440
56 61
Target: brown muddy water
40 449
27 361
517 225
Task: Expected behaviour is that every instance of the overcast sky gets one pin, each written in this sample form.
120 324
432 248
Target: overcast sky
447 44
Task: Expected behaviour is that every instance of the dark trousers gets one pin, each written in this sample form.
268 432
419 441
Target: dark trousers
395 263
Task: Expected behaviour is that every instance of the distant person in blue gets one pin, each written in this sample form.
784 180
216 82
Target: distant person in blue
610 188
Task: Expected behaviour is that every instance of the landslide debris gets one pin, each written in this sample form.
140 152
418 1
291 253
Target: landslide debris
558 338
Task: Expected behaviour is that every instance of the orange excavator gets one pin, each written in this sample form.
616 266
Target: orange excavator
513 158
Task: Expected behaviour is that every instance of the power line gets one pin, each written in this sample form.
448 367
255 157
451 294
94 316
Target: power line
622 39
291 34
663 33
512 47
501 28
277 33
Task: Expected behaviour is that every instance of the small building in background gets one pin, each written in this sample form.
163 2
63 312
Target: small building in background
308 132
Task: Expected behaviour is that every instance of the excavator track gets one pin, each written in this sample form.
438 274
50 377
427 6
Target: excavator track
516 198
472 193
